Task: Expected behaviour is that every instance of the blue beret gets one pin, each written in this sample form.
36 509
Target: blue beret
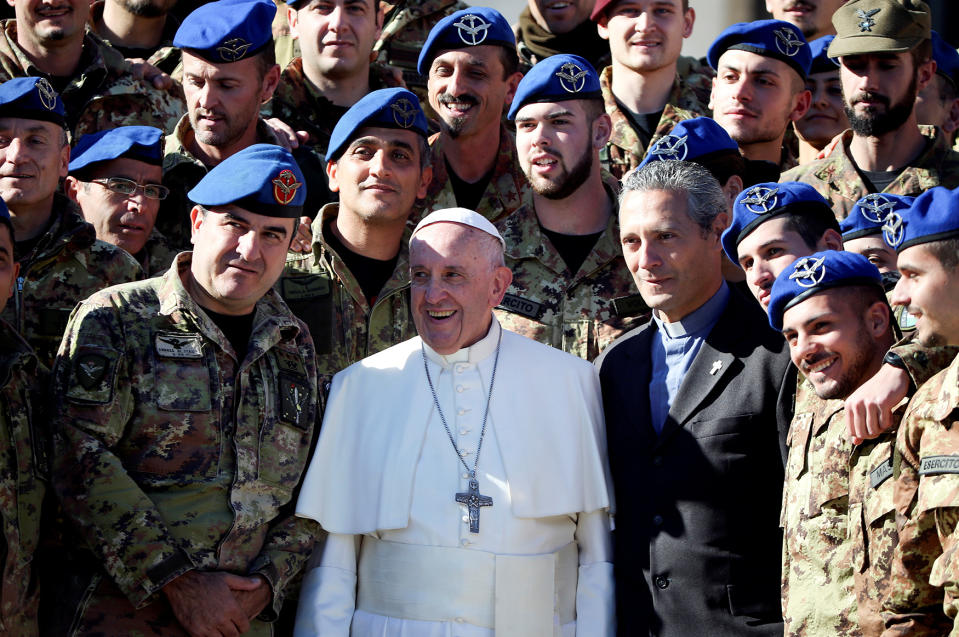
5 216
262 178
32 98
385 108
558 78
762 202
691 139
816 273
821 62
227 30
466 28
933 216
947 59
143 143
772 38
869 214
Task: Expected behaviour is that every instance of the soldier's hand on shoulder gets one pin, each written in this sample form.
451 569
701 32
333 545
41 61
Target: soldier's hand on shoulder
303 241
869 409
205 604
285 135
150 74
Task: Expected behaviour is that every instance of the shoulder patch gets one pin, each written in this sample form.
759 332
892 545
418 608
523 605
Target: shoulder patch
299 288
294 401
524 307
92 375
179 345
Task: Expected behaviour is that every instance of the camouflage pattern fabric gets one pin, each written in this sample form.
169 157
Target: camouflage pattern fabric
23 459
67 265
921 594
922 362
157 255
506 192
103 93
578 312
326 296
838 523
689 98
300 104
181 172
835 177
172 455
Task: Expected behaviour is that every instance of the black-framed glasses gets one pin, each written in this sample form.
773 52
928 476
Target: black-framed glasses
127 187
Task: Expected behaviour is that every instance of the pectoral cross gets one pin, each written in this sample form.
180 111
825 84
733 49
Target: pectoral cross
473 500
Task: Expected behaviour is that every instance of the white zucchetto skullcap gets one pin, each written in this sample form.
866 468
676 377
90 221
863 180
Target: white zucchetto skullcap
460 215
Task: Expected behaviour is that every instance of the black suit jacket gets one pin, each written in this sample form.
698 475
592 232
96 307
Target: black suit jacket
697 545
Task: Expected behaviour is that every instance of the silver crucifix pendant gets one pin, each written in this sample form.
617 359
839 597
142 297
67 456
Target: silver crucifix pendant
473 500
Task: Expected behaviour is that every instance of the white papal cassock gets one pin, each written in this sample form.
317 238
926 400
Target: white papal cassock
400 559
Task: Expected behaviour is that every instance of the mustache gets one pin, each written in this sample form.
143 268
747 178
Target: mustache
870 97
446 98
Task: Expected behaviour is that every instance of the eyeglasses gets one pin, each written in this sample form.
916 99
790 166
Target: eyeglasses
127 187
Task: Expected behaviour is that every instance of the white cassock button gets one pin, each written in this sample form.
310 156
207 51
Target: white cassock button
461 367
461 412
460 389
466 476
466 518
464 453
463 432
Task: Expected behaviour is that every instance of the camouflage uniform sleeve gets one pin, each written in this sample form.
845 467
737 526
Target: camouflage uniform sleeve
289 542
922 363
94 403
911 606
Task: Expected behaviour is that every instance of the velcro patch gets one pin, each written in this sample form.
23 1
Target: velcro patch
92 374
294 401
177 345
524 307
937 465
90 370
881 473
632 305
289 361
299 288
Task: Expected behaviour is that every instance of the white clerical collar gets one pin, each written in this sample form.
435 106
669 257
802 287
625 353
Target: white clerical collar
478 351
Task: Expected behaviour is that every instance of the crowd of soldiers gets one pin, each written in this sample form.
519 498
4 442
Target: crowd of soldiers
202 222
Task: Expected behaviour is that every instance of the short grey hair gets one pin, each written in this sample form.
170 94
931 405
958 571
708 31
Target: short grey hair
705 198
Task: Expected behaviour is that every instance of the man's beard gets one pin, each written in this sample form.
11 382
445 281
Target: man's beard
856 371
144 8
874 124
575 177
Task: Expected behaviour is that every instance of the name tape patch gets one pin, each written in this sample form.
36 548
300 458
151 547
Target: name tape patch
937 465
299 288
179 345
519 305
881 473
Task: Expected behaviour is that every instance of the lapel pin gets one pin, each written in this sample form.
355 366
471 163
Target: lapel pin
717 365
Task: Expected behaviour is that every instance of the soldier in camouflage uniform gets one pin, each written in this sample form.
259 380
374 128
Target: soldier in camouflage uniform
837 515
95 81
571 288
352 288
546 28
61 260
23 459
185 412
938 103
470 61
674 88
115 179
137 30
759 89
923 582
886 150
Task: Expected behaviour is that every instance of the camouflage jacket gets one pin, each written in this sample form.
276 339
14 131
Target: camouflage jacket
578 312
172 455
407 25
157 255
181 172
505 193
838 523
103 92
326 296
837 179
300 104
689 98
23 461
924 581
66 266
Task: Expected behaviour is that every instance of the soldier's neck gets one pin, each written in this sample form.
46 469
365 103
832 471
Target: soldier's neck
889 152
122 28
645 92
807 152
342 91
586 211
375 240
210 156
31 220
472 157
56 58
764 151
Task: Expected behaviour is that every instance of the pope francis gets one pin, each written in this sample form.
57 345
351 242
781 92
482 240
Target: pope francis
461 475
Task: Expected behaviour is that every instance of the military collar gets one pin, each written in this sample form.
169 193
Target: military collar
624 136
66 227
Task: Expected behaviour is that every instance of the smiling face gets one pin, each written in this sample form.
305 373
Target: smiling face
47 22
931 294
126 221
836 340
336 36
468 90
237 256
34 160
675 264
560 16
646 35
456 280
826 117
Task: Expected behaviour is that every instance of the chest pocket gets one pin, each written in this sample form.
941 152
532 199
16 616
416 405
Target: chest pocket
182 372
288 427
310 298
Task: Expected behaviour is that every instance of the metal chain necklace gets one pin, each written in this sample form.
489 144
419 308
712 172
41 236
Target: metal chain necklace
473 499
